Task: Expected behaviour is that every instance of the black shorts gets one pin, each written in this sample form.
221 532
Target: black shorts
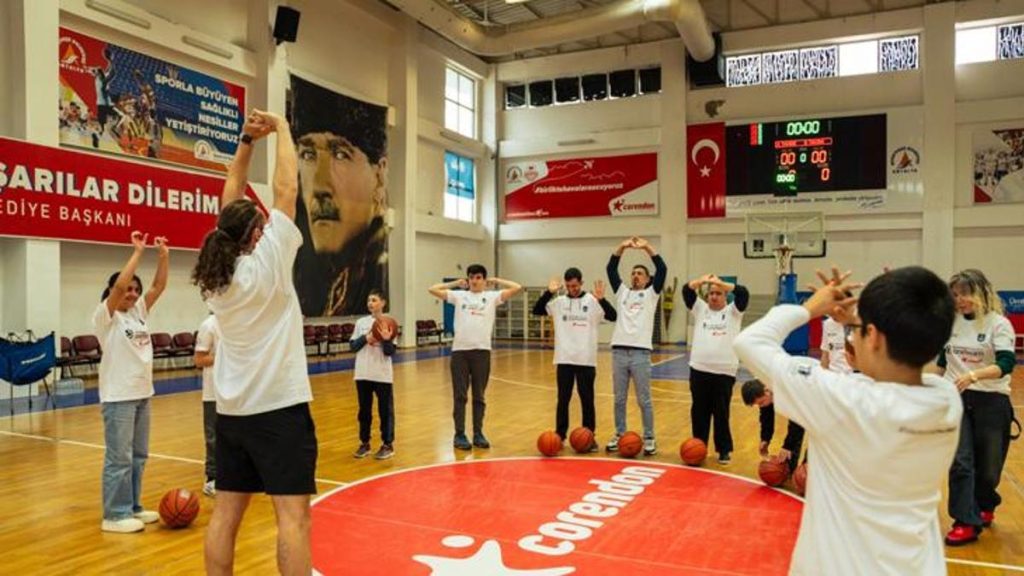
273 452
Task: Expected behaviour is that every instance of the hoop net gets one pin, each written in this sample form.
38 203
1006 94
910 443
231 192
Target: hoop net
783 260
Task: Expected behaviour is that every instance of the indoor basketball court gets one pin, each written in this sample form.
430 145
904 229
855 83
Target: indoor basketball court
642 156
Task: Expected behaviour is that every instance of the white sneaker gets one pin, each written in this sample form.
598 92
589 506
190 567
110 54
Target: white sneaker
210 488
650 447
123 526
147 516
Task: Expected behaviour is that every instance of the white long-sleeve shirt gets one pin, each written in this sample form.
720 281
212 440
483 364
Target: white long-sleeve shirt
881 451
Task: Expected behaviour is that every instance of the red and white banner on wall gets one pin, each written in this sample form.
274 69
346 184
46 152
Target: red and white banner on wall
705 170
582 187
64 195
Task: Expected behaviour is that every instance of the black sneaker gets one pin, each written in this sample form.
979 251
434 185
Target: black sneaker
363 451
462 443
593 447
480 441
385 452
724 459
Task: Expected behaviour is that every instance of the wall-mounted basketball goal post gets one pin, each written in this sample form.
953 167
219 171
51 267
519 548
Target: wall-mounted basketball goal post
783 236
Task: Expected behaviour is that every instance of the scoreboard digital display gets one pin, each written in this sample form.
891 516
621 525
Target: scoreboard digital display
810 155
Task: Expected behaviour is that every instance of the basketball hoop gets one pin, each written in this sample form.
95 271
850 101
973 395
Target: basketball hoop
783 260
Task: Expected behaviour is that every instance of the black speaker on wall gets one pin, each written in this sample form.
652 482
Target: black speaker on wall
711 72
286 24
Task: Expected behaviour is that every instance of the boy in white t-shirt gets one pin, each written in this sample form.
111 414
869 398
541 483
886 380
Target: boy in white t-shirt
713 364
576 316
126 384
205 351
633 338
882 439
374 376
471 347
979 359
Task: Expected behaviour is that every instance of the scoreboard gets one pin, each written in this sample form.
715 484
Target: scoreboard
806 155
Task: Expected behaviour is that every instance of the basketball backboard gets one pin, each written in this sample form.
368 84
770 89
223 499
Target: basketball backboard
803 233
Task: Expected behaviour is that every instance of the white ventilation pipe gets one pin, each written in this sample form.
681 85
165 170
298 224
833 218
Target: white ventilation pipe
686 15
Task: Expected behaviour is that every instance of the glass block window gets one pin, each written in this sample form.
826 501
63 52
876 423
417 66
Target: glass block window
783 66
1010 41
820 62
897 54
743 70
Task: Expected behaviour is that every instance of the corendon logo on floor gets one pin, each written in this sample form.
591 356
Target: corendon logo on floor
550 517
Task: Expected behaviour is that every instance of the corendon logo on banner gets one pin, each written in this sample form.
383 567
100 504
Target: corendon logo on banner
578 187
551 517
705 171
53 193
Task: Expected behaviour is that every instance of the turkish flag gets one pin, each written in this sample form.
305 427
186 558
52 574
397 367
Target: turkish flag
705 170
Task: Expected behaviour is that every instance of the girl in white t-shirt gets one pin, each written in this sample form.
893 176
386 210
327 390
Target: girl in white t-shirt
979 359
374 375
126 384
205 351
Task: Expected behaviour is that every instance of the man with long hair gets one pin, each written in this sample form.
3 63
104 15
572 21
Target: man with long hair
266 439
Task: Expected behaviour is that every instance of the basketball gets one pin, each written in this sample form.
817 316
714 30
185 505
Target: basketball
179 507
630 444
549 443
693 451
800 479
581 439
773 472
379 324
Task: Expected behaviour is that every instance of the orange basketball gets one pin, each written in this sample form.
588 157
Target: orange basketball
693 451
630 444
549 443
581 439
800 479
773 472
379 324
179 507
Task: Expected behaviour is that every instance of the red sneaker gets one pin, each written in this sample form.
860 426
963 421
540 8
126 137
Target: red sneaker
961 534
988 517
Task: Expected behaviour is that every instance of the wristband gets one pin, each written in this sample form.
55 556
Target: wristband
246 139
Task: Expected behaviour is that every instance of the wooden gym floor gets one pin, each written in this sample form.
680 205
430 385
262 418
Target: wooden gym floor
51 462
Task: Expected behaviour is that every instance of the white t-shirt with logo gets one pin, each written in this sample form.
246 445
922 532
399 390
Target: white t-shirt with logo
635 324
881 453
206 341
973 346
576 321
474 318
371 362
833 341
261 360
713 334
126 368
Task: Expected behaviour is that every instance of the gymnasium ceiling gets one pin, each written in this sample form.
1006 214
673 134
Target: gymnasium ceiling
722 15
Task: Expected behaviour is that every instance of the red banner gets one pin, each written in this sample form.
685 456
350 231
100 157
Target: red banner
60 194
705 171
579 187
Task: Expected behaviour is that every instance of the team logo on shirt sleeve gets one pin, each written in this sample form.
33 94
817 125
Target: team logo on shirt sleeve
981 338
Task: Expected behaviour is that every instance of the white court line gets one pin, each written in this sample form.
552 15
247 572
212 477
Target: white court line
151 455
985 564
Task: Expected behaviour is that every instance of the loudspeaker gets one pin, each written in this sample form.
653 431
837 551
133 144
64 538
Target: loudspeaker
711 72
286 24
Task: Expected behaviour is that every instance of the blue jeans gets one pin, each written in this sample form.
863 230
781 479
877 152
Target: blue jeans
633 362
126 433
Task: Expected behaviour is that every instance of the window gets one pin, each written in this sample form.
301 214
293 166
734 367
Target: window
460 188
650 80
567 90
622 83
858 58
515 96
460 103
990 43
595 87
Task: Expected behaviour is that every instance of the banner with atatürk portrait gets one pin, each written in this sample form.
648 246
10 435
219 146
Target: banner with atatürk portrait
342 147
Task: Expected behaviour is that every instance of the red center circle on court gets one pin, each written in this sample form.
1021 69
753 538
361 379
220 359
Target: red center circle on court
549 517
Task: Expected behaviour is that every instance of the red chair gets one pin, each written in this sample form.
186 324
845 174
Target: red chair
334 336
309 338
68 358
346 331
321 337
184 346
87 349
428 329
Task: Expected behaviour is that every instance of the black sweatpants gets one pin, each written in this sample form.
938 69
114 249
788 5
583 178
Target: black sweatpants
711 394
583 377
470 368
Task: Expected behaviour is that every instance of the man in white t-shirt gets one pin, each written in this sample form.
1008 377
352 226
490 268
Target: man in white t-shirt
266 439
576 316
205 350
471 347
833 347
713 364
632 340
882 440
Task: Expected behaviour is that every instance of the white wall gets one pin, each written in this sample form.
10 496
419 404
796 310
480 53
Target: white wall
987 95
445 257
